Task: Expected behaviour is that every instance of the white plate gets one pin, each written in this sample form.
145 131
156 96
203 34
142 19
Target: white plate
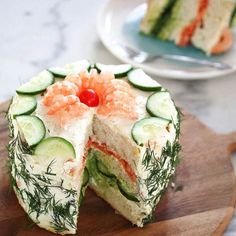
119 20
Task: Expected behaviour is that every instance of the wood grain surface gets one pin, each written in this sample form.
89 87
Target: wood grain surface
201 202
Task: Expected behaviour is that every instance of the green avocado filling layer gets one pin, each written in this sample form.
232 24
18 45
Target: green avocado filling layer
163 18
84 185
169 21
101 175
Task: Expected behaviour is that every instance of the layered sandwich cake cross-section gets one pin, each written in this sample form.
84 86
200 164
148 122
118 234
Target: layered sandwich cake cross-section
206 24
79 125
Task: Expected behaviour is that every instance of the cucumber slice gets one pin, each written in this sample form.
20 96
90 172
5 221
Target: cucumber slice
161 105
139 79
83 187
23 105
59 72
104 178
119 71
55 147
103 169
73 68
149 129
37 84
85 177
125 192
32 128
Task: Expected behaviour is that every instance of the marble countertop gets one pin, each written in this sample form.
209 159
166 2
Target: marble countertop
35 36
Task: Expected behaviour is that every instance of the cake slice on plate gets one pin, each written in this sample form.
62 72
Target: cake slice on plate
77 126
203 23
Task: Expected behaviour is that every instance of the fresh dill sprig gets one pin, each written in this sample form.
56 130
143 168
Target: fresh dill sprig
177 125
63 216
37 192
49 168
160 169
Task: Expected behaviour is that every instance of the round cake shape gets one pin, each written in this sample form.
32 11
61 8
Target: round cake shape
114 140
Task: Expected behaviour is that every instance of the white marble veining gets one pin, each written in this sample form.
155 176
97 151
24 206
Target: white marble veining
37 34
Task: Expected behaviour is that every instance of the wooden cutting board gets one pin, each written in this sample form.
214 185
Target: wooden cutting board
201 203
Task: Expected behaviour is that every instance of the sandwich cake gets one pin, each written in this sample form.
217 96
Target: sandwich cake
206 24
79 125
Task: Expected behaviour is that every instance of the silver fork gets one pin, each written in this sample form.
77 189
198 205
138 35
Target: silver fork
143 57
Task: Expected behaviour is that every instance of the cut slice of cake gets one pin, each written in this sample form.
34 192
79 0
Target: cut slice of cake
184 17
214 35
119 136
203 23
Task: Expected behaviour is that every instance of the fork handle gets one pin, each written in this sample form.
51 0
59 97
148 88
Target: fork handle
213 64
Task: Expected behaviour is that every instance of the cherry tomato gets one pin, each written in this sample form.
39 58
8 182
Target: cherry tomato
89 97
